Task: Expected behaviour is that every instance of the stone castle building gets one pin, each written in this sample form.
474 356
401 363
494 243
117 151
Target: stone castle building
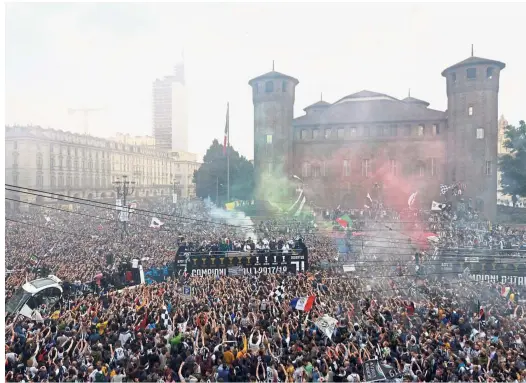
369 142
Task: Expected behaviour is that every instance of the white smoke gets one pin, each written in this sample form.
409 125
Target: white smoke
232 217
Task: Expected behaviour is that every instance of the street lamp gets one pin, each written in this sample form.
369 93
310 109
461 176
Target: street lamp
124 188
176 187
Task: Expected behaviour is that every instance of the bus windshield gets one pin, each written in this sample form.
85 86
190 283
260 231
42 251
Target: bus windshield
19 298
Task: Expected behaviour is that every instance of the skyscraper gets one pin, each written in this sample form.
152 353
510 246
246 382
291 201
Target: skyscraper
170 113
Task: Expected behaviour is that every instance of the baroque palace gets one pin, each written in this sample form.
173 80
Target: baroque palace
85 167
371 142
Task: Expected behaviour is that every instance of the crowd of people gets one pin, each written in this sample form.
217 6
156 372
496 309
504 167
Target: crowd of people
246 328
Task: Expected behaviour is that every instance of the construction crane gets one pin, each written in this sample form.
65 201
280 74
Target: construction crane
86 112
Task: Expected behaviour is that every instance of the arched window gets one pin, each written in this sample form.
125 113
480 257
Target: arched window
315 133
284 86
453 77
316 170
269 87
304 134
305 169
421 169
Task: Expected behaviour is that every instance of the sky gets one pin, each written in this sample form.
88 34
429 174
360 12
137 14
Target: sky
106 55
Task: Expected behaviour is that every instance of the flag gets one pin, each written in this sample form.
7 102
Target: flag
505 291
436 206
326 324
303 303
36 316
390 372
55 315
411 199
278 294
182 326
372 372
344 221
444 189
167 321
226 139
482 314
156 223
47 218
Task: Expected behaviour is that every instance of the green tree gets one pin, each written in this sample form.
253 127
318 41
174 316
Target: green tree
513 165
211 178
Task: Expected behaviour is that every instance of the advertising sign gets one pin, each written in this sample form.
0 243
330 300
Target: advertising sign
241 263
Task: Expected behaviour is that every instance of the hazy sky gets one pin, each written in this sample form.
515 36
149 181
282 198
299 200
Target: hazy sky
107 55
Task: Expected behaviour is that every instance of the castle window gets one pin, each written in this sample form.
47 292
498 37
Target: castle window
453 77
421 169
303 134
316 170
392 167
480 133
315 133
346 168
341 132
489 73
435 130
471 73
353 131
380 130
420 130
305 170
327 134
269 87
488 168
366 168
366 131
284 86
40 180
269 138
470 111
432 167
394 130
407 130
324 168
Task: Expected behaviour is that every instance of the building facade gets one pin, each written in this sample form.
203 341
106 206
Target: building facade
86 167
170 111
369 142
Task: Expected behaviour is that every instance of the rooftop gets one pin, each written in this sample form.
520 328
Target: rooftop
273 75
474 60
367 107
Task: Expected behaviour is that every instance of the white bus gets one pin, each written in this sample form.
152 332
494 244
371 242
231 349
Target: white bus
33 294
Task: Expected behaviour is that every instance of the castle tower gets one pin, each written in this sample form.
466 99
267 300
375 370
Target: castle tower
472 138
273 97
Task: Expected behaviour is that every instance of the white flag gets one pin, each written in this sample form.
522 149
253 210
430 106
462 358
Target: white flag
47 218
412 198
435 206
156 223
326 324
36 316
182 326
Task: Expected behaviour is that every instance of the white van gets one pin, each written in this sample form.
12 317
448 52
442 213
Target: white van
33 294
